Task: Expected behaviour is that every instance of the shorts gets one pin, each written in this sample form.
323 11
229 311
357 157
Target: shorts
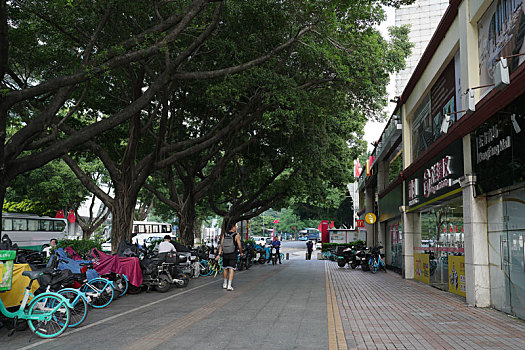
229 261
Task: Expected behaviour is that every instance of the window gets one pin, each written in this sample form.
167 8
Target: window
19 225
164 228
46 225
60 225
32 225
7 224
155 228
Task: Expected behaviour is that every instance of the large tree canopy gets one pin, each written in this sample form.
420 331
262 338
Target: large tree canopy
284 87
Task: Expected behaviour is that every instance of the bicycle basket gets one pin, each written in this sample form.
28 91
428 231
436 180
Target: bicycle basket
7 258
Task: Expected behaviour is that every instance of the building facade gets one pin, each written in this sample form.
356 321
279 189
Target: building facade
422 16
460 131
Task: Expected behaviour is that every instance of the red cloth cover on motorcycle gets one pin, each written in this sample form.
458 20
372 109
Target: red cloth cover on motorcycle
124 266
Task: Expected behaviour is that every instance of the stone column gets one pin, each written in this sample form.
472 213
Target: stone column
476 244
370 198
411 239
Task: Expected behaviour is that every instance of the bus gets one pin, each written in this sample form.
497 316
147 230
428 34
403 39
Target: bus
147 231
31 231
311 234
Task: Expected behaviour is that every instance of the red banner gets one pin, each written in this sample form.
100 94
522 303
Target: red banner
71 216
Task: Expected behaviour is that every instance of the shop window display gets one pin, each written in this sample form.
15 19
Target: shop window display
442 236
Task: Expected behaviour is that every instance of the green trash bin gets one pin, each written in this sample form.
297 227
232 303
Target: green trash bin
7 258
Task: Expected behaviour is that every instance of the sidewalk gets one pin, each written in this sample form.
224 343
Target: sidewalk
385 311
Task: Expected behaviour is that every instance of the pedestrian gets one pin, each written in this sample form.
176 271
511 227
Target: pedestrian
166 246
277 245
52 246
230 241
309 249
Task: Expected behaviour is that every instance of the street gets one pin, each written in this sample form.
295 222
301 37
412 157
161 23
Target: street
297 305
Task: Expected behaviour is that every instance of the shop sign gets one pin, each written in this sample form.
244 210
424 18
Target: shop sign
360 223
437 177
370 218
456 275
498 155
491 143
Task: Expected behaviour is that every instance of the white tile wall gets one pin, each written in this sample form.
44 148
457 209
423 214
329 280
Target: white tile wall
423 16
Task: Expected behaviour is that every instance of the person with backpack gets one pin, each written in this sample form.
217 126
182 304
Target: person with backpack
230 241
309 249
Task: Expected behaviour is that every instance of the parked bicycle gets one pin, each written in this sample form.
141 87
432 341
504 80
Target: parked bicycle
376 261
47 314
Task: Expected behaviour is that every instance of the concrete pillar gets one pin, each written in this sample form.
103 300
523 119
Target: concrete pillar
370 198
411 239
476 244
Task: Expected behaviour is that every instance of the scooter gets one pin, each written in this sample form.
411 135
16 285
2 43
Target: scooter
161 272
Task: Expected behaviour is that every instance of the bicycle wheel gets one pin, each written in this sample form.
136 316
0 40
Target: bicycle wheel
100 291
205 270
121 284
52 315
79 306
371 266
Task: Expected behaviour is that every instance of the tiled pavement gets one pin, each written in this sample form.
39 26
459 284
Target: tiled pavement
385 311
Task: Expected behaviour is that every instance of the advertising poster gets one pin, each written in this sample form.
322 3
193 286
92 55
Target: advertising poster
500 34
456 275
421 270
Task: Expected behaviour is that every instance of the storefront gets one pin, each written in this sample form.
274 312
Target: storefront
498 157
434 196
391 223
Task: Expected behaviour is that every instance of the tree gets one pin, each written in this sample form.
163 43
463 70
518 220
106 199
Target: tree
51 68
49 189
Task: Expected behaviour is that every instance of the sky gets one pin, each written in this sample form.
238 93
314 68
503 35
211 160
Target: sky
373 130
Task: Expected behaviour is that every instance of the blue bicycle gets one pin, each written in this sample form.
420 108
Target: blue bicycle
376 261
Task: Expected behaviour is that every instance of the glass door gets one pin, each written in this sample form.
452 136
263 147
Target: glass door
499 254
515 208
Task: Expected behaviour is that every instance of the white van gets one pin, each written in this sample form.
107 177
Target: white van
260 241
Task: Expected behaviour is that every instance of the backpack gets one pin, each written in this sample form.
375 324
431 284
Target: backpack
228 244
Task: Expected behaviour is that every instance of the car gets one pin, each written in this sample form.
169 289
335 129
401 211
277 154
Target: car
319 245
260 241
106 246
303 238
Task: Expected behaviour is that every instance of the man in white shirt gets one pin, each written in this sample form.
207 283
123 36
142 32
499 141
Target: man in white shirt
166 246
52 245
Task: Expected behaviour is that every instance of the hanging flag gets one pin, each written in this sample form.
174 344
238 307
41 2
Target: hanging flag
276 221
60 214
372 160
368 167
331 224
71 216
357 168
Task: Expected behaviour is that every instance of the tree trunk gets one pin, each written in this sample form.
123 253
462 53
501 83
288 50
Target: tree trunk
186 222
122 218
86 233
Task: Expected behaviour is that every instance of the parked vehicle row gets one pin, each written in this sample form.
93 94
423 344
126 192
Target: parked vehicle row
369 259
70 285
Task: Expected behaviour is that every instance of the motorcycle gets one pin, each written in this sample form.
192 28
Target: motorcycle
344 256
161 272
362 257
273 255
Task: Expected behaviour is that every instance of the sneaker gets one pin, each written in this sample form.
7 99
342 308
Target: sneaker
224 284
229 288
